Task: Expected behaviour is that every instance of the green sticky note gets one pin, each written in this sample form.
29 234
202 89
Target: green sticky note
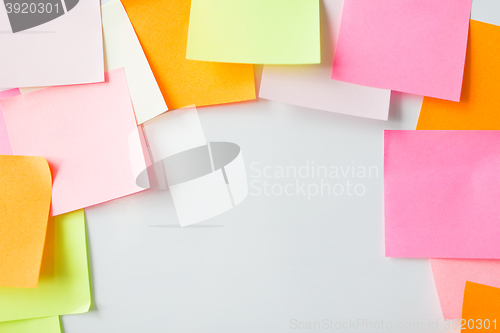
39 325
64 285
280 32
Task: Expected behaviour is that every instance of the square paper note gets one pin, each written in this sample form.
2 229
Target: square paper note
255 31
441 194
83 132
413 46
310 86
50 42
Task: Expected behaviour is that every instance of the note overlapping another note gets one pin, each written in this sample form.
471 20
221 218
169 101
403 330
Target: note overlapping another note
26 187
413 46
480 104
311 86
450 276
255 31
83 132
162 29
123 50
64 285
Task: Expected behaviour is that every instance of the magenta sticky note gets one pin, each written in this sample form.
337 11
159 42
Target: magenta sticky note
83 132
413 46
450 276
5 148
442 194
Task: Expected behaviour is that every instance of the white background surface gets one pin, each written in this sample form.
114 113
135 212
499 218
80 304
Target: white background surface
272 259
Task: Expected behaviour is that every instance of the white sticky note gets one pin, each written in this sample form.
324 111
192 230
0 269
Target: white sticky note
123 50
63 51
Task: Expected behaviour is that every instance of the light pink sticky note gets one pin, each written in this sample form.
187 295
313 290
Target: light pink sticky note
311 86
62 51
442 192
83 132
413 46
5 148
450 276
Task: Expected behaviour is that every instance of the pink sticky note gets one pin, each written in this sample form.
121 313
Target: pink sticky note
83 132
414 46
442 192
9 93
311 86
67 49
450 276
5 148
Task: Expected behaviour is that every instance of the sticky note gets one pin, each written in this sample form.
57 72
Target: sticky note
38 325
441 194
123 50
64 286
26 186
310 86
65 50
162 29
5 148
9 93
413 46
83 132
450 276
255 31
478 108
481 308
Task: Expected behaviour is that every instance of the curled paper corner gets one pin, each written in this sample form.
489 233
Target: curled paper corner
205 179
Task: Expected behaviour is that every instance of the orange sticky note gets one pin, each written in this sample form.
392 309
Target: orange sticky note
162 28
481 308
26 188
479 105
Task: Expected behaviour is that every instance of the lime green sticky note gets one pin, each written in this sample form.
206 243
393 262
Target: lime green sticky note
280 32
64 285
39 325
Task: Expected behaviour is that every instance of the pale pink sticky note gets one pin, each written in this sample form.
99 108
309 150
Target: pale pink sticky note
83 132
414 46
450 276
311 86
442 192
65 50
5 148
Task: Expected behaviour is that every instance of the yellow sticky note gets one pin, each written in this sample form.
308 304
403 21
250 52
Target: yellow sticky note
26 188
38 325
280 32
480 102
64 284
481 308
162 29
